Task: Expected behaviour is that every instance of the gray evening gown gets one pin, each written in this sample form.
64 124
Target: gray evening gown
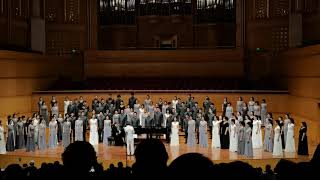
203 134
42 136
44 113
191 140
248 150
268 140
52 134
106 131
20 135
11 138
264 113
66 131
78 130
55 110
241 141
31 146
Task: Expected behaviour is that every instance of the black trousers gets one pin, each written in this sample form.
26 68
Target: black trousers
149 133
168 134
186 134
84 132
100 133
197 131
157 133
210 131
73 134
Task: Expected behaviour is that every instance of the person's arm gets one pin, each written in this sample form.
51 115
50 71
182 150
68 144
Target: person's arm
29 131
293 130
248 137
259 127
303 135
18 131
227 129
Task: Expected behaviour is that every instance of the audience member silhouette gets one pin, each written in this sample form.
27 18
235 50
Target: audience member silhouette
239 170
151 160
286 169
191 164
79 159
80 162
13 172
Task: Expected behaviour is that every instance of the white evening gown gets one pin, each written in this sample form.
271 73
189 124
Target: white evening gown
233 139
290 145
216 134
93 139
65 107
174 104
277 142
174 134
2 141
256 137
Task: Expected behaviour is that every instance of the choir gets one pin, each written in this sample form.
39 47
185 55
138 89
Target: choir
111 119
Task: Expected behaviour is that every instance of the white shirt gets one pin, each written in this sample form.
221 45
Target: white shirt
129 132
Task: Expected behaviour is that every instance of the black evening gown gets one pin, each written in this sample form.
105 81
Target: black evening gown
282 135
224 137
303 145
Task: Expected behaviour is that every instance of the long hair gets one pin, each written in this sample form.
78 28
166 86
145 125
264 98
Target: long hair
292 120
271 121
305 125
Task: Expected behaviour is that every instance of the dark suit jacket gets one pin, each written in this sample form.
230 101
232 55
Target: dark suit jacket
132 101
148 122
158 119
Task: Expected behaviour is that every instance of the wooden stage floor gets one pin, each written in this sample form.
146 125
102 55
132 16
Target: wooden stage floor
113 154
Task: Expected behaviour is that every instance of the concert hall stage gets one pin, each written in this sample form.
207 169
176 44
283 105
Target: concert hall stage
114 154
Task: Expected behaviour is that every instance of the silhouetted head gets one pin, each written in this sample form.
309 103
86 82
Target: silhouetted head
79 157
191 165
239 170
13 171
304 124
151 158
316 156
286 169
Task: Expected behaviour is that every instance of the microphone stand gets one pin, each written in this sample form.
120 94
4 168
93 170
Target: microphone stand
126 145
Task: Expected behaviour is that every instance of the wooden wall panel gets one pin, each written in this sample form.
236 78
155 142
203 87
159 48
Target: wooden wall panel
305 87
14 104
117 37
23 86
301 67
65 27
313 130
311 19
3 29
161 63
165 27
22 73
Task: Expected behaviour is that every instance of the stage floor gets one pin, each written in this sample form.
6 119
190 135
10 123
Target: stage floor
113 154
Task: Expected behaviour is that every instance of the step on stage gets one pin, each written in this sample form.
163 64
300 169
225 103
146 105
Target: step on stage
113 154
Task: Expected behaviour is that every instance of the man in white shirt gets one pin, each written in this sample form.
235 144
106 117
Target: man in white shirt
129 130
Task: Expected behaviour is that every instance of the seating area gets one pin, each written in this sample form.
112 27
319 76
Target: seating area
185 166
